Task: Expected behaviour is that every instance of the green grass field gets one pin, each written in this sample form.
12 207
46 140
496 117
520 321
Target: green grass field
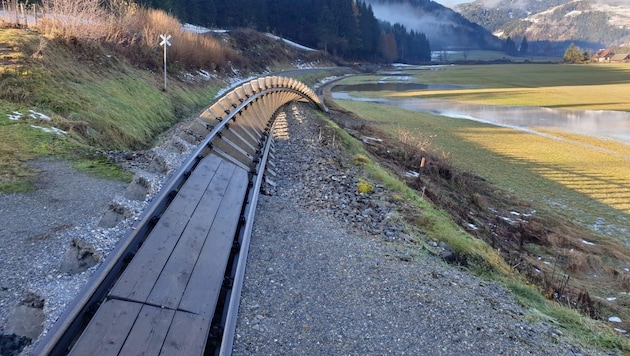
479 55
588 87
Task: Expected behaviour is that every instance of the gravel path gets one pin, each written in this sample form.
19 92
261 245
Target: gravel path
330 271
35 225
315 285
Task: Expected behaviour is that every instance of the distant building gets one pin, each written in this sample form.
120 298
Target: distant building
604 55
620 58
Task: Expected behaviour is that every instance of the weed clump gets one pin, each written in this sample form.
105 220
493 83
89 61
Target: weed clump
364 187
360 160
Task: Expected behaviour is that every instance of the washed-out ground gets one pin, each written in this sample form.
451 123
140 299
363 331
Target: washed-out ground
330 271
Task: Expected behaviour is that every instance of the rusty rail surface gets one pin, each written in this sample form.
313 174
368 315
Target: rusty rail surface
235 128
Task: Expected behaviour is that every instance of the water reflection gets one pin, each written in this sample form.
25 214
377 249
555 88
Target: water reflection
599 123
386 85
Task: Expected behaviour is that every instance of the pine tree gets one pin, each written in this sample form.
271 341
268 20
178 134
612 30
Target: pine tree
522 50
509 47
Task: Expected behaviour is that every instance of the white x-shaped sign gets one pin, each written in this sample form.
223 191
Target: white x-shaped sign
165 40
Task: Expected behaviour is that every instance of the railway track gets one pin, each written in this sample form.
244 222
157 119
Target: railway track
172 285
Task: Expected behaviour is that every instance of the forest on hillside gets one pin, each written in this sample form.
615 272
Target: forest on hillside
345 28
445 28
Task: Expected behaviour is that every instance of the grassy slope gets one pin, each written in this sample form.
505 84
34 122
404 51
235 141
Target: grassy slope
99 99
483 259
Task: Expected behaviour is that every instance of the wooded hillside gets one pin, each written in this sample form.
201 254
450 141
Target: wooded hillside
342 27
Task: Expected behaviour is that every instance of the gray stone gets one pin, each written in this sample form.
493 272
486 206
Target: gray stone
28 318
158 165
114 214
78 258
138 189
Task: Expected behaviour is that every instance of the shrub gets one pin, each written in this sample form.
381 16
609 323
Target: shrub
365 188
361 160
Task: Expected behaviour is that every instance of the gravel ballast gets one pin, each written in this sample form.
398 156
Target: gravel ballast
330 271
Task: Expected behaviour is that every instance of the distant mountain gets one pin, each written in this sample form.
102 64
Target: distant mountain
591 24
443 27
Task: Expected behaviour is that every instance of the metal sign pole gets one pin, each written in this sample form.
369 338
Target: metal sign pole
164 43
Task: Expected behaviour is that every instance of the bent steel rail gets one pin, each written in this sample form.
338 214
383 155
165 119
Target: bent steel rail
236 128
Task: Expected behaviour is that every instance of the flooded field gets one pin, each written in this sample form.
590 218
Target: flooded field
598 123
575 160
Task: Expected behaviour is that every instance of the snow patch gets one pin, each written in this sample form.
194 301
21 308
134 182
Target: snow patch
196 29
50 130
14 116
472 226
573 13
291 43
38 115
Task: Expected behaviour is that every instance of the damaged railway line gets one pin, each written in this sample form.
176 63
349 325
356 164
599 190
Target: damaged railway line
182 263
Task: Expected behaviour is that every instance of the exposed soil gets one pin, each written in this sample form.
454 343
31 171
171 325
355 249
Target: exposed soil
569 264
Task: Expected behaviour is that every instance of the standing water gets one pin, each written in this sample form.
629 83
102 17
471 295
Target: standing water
598 123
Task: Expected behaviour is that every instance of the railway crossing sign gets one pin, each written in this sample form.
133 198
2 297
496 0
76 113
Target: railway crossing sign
165 43
165 40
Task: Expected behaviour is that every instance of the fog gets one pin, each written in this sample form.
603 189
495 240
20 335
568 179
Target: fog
410 17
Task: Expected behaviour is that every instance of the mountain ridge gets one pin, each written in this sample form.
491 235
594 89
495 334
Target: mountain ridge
593 24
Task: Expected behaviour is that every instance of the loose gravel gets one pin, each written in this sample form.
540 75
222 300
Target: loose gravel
37 227
327 278
330 271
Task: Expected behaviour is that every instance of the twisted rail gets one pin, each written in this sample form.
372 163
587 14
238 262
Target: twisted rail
236 128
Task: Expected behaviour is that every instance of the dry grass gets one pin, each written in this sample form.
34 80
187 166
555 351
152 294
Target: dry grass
135 33
415 146
588 87
84 19
189 50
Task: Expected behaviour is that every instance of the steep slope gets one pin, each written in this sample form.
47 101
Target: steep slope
494 15
443 27
594 23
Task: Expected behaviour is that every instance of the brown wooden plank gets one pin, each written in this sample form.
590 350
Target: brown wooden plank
148 332
172 282
108 329
205 283
187 335
140 276
233 152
